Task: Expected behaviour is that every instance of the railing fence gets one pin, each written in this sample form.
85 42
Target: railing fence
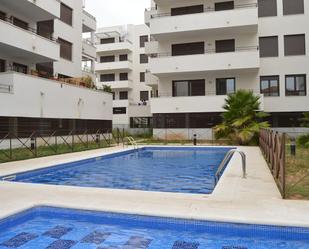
273 144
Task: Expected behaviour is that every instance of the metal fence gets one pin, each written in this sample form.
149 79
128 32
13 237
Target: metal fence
273 145
11 144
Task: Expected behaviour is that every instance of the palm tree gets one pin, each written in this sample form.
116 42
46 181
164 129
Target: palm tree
242 118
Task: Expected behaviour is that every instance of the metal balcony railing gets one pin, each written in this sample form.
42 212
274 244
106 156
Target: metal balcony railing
29 29
239 6
207 51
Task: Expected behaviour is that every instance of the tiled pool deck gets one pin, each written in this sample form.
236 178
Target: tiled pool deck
252 200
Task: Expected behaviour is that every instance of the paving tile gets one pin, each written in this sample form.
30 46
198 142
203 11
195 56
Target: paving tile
137 242
62 244
57 232
96 237
19 240
185 245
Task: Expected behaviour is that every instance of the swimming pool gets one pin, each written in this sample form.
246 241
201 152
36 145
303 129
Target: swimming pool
54 228
163 169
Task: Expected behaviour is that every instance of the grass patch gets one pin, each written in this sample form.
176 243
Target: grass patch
42 151
297 174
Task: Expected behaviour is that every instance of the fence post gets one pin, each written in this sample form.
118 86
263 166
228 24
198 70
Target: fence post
35 146
72 141
56 143
283 166
11 149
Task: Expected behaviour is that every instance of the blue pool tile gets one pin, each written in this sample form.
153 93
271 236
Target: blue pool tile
137 242
185 245
57 232
109 247
19 240
96 237
62 244
234 247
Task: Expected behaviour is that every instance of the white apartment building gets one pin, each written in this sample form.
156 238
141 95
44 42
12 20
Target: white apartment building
41 54
122 64
202 50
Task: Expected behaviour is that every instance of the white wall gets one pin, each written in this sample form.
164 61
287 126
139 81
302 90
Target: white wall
42 98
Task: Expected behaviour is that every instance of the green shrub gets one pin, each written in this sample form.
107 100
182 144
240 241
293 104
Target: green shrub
303 141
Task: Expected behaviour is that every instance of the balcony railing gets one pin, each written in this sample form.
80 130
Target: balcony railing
89 15
119 41
89 42
209 9
207 93
27 28
207 51
6 88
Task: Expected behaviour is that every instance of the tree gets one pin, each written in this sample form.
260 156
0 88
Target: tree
107 89
242 118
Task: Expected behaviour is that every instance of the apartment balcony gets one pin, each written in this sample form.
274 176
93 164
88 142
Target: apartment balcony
37 10
209 103
244 58
119 85
32 96
89 49
151 47
26 44
89 22
151 80
121 102
123 46
148 13
114 66
139 110
242 19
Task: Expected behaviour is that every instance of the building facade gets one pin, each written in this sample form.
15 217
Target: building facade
41 54
200 51
122 65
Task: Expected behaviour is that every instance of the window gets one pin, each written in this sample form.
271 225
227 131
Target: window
2 15
143 58
123 57
204 120
114 95
144 95
2 65
294 45
225 46
142 77
123 76
65 49
107 77
45 28
107 40
119 110
66 14
267 8
142 40
123 95
225 86
19 23
295 85
20 68
189 88
187 10
188 48
224 6
109 58
270 85
293 7
141 122
268 46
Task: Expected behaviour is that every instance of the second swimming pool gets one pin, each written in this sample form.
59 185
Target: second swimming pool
164 169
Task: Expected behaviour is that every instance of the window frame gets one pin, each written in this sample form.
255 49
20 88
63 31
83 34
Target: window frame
144 92
287 12
68 21
268 78
295 91
63 42
142 76
142 40
226 93
123 110
268 14
143 59
123 95
189 87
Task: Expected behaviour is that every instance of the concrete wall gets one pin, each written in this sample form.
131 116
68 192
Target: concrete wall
183 134
38 97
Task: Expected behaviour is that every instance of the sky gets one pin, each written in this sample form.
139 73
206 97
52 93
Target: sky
117 12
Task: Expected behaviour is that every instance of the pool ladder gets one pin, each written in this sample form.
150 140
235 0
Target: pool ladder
131 141
227 157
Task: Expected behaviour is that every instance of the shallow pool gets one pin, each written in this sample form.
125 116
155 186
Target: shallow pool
165 169
53 228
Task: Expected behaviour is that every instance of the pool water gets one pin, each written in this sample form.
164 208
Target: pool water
169 169
53 228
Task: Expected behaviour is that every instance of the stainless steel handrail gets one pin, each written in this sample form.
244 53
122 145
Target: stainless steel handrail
227 157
